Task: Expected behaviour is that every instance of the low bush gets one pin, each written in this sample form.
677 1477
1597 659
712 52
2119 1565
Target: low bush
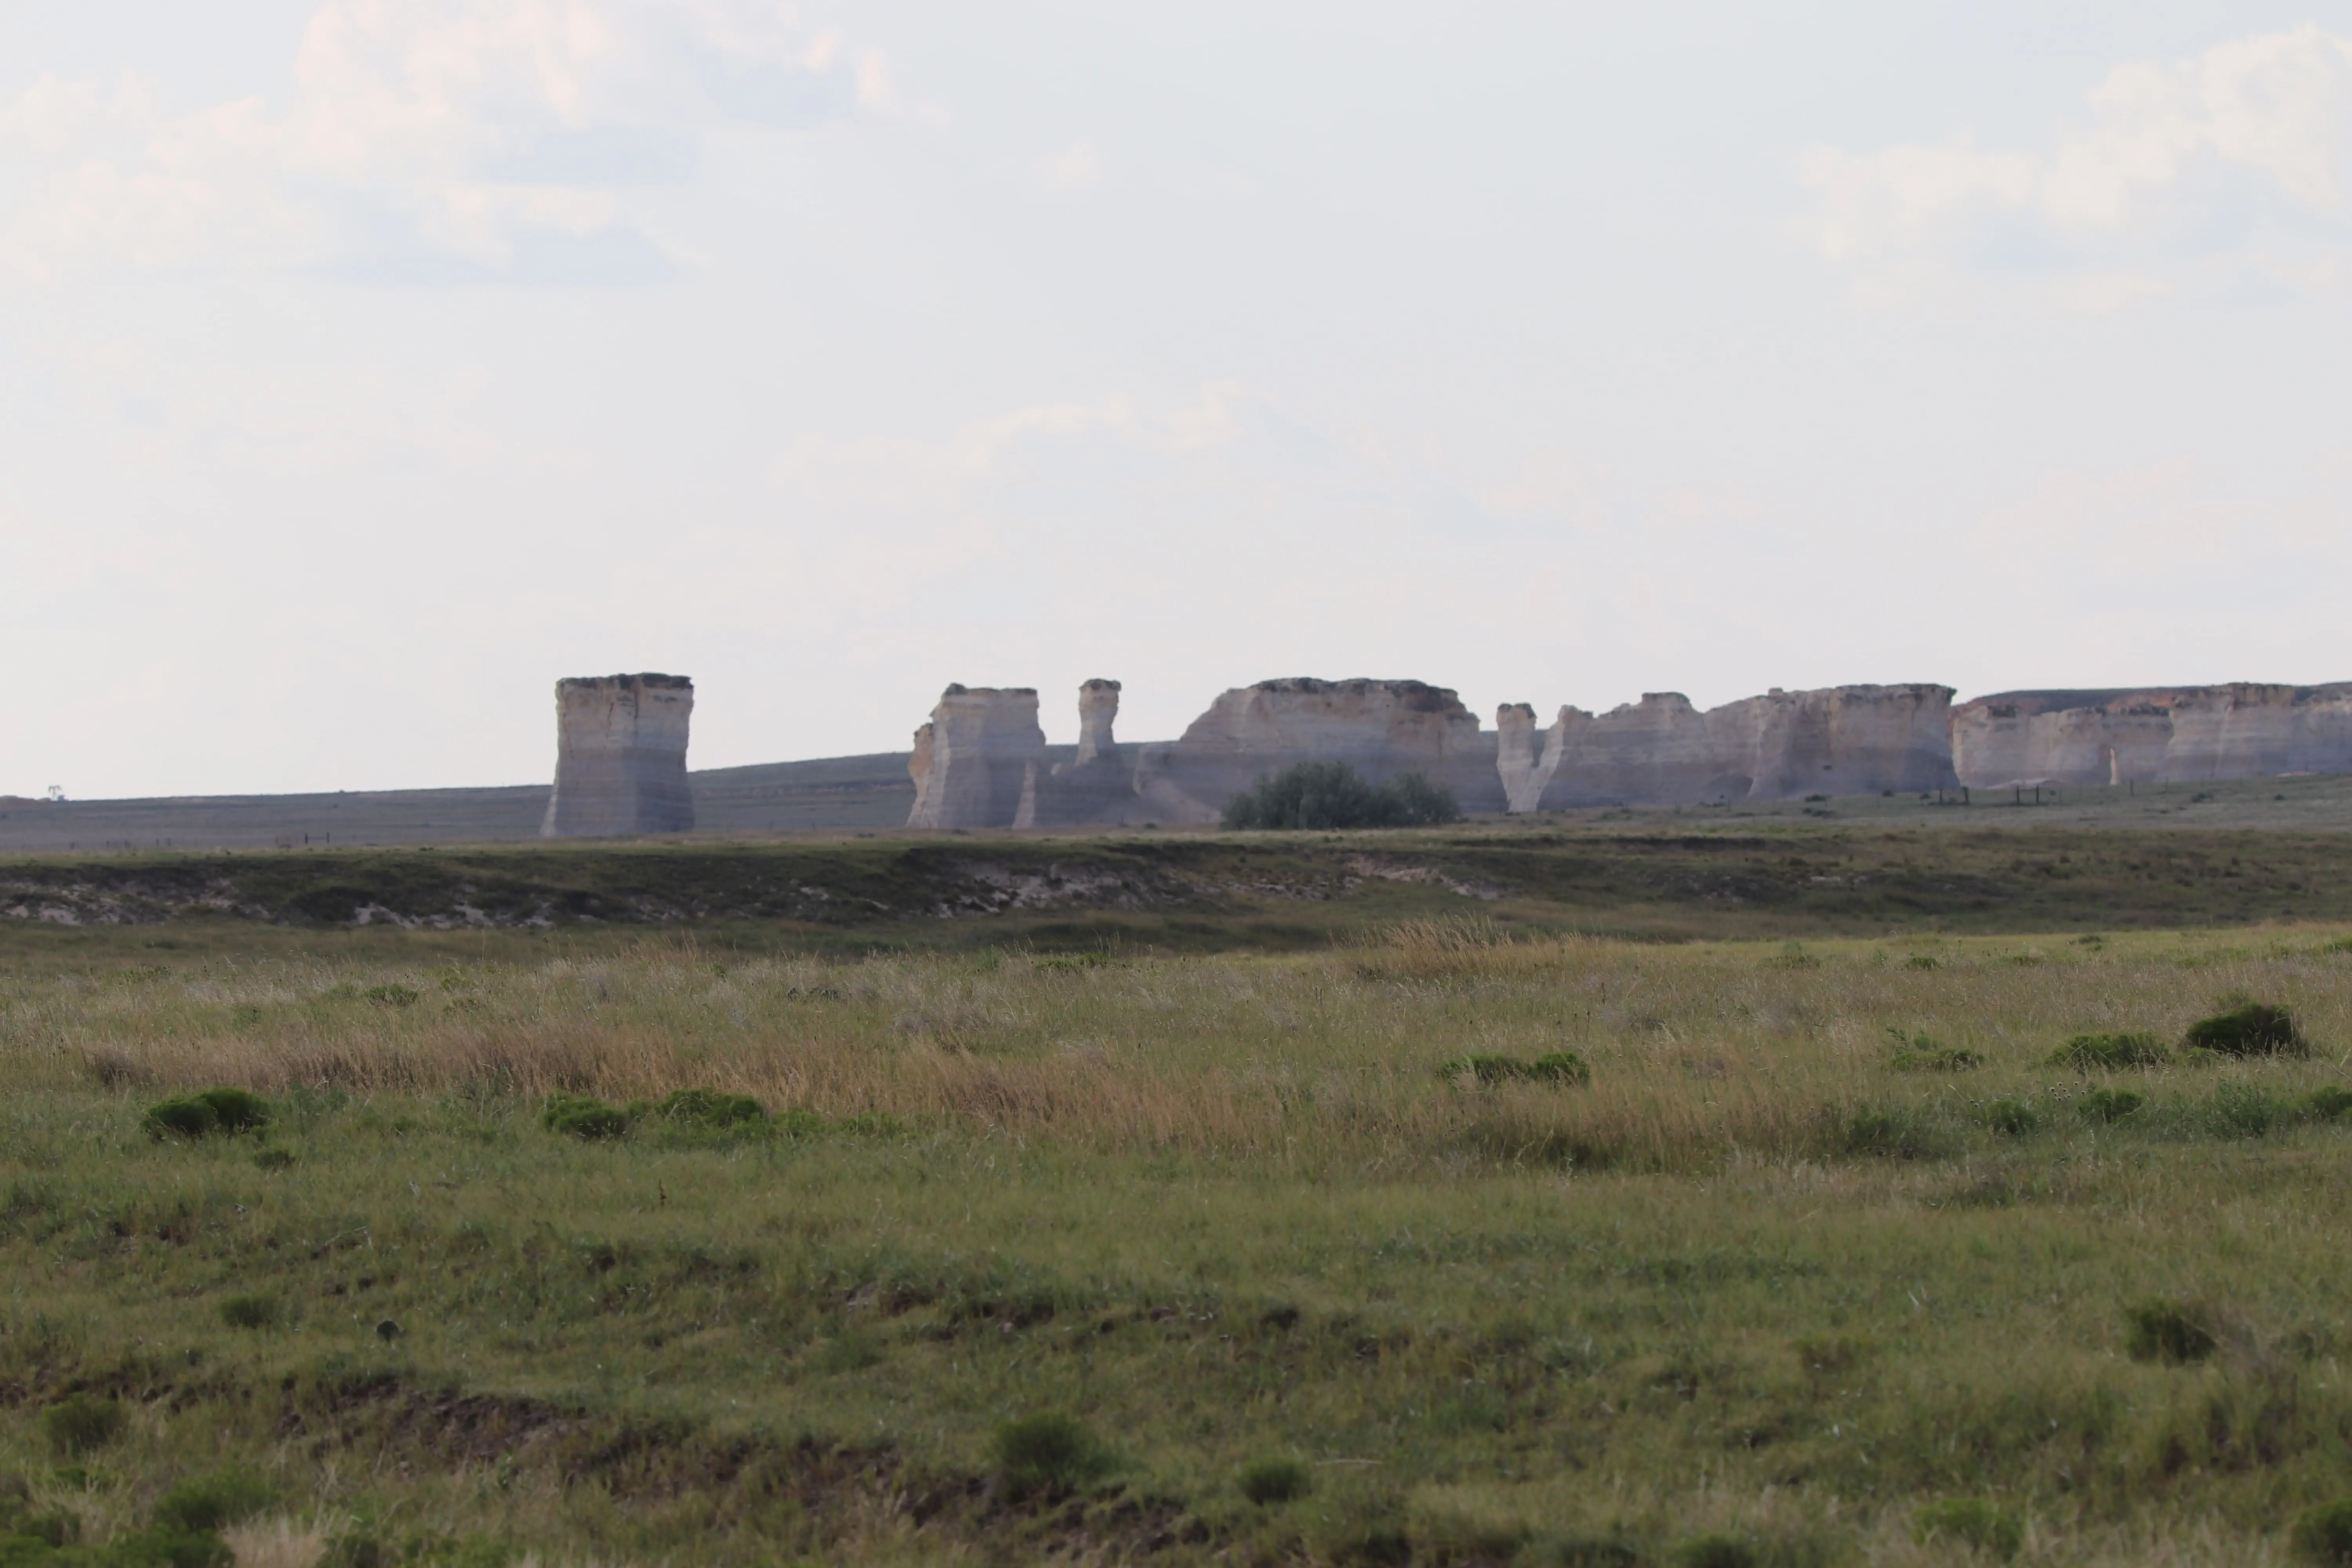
249 1311
2110 1104
209 1503
708 1109
2324 1534
2249 1029
1276 1480
1972 1521
80 1424
2014 1118
2166 1331
201 1115
2110 1053
1713 1552
1895 1132
2326 1104
1918 1053
2242 1110
1048 1452
1559 1067
1554 1066
1324 796
584 1116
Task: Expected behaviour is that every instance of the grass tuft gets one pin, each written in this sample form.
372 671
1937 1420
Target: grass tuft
2167 1331
1049 1453
1275 1481
1975 1522
81 1424
2110 1053
2110 1105
2324 1534
2249 1029
584 1116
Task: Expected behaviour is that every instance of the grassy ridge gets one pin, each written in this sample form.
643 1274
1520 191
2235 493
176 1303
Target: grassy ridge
1202 892
1827 1239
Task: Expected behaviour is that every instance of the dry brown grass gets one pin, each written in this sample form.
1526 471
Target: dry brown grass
1700 1053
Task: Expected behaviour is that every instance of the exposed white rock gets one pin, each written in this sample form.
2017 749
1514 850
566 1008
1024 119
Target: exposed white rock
1380 728
972 759
620 756
2182 735
1097 785
1842 739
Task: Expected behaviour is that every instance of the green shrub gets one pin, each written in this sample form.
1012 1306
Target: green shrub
2251 1029
2014 1118
1559 1067
165 1547
182 1118
2326 1104
2110 1053
1321 795
1554 1066
1276 1480
1899 1133
1048 1452
1602 1553
707 1108
2109 1104
249 1311
1713 1552
1918 1053
236 1110
201 1115
1485 1069
81 1424
2166 1331
2242 1110
208 1502
1973 1521
2324 1534
584 1116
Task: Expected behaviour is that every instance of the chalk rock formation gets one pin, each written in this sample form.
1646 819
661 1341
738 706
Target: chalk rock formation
620 756
1380 728
2180 735
1840 739
1097 785
972 759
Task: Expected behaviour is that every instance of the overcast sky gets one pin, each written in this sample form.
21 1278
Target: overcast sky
365 366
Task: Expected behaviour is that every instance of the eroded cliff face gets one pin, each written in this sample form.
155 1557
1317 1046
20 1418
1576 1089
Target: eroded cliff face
1841 739
2181 734
620 756
1380 728
1096 786
972 759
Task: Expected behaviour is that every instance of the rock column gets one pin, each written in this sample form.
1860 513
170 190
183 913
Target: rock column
620 756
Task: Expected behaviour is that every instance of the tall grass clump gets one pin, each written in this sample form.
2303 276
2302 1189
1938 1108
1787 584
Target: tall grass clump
1050 1453
1328 795
2110 1053
2249 1029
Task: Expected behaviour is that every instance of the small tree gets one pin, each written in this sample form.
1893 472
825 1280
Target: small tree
1316 796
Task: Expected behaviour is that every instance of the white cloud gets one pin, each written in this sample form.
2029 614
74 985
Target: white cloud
1077 167
2221 167
878 92
482 133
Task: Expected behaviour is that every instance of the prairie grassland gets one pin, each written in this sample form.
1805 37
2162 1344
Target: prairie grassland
1825 1240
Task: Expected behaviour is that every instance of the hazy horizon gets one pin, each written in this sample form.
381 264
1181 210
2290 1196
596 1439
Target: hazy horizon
367 367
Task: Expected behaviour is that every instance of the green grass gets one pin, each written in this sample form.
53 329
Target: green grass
990 1256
